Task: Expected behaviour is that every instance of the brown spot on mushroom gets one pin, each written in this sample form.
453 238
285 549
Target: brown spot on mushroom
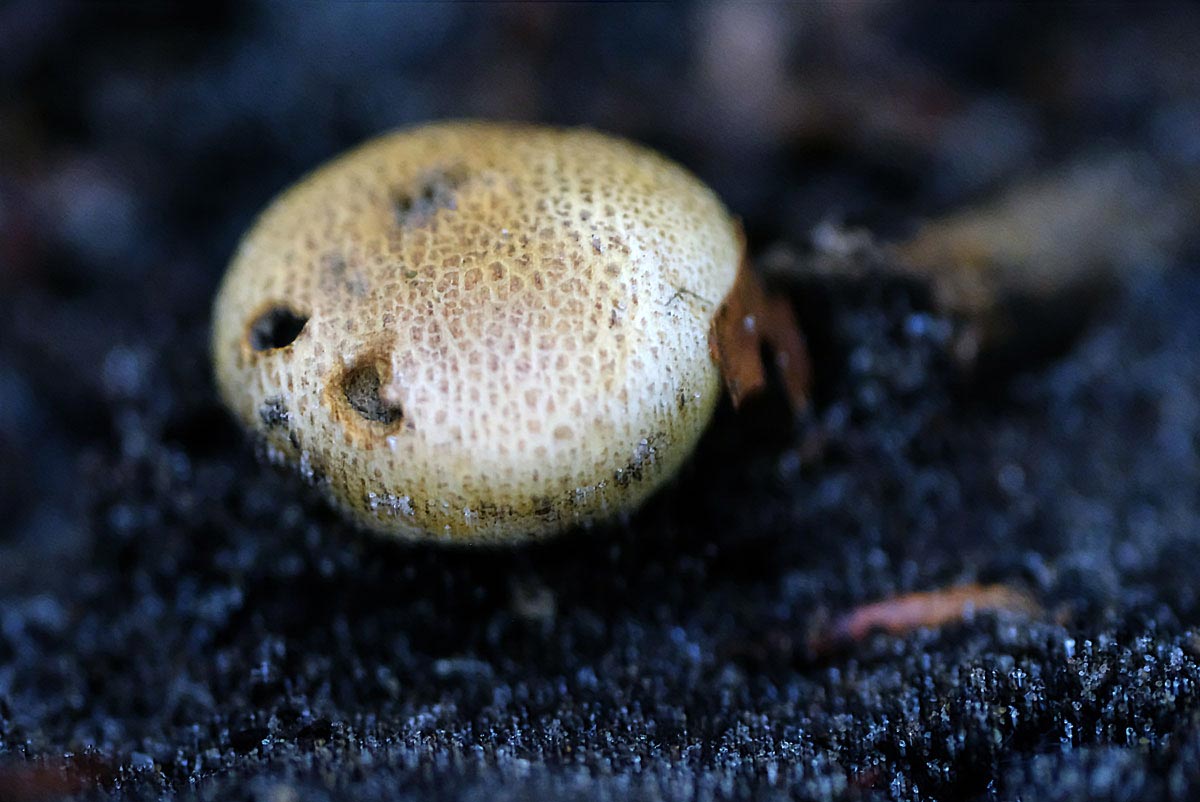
436 189
360 386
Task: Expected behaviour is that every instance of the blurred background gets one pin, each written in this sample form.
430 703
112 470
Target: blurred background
173 614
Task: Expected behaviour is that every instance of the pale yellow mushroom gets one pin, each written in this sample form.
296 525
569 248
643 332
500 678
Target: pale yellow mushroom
480 332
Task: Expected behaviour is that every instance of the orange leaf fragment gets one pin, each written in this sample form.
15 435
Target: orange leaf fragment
937 608
748 319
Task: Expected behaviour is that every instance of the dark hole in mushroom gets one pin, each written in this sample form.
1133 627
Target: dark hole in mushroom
436 190
278 327
361 387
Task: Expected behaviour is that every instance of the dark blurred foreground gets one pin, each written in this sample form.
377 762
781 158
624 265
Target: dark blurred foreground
176 617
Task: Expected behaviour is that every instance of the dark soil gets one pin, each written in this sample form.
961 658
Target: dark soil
176 617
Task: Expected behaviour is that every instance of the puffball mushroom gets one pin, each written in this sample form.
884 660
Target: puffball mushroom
478 331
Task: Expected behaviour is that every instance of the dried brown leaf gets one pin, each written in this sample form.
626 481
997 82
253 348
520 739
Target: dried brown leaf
932 609
748 319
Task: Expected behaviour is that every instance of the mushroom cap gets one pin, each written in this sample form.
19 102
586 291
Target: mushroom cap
480 331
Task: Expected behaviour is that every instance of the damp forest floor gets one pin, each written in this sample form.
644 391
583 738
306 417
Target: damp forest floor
179 618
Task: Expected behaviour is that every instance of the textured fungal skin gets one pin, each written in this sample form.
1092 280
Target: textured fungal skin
478 331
